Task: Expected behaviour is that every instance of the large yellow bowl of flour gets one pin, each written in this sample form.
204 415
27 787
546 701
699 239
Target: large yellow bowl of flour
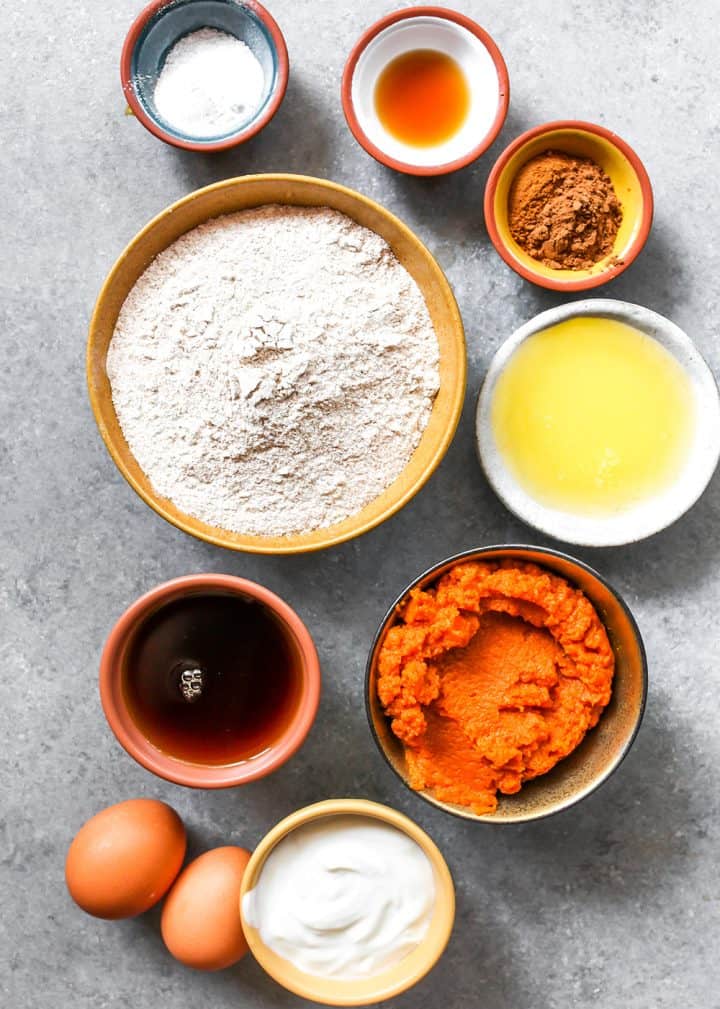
294 190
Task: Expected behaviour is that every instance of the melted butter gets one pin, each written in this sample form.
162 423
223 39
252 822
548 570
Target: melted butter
593 416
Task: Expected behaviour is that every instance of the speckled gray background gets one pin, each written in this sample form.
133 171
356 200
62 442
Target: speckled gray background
613 904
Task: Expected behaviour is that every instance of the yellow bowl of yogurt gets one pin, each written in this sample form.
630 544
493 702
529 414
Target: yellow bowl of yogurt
347 903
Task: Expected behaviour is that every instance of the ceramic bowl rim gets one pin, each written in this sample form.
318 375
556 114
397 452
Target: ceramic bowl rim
587 281
361 45
475 553
176 770
215 534
240 136
353 807
546 519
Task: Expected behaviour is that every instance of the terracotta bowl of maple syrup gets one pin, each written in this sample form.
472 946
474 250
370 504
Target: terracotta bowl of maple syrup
210 681
425 91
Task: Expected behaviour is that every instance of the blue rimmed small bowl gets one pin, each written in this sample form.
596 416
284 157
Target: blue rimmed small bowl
163 23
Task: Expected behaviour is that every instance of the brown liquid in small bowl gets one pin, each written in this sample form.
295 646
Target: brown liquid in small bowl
244 695
210 681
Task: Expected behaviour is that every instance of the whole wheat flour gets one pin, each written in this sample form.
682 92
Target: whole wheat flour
273 370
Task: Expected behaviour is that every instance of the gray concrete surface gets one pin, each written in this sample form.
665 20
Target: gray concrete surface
613 904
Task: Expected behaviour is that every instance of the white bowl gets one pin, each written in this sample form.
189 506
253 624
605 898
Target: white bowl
646 517
444 31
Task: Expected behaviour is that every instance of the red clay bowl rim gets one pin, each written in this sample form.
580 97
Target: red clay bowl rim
402 15
198 775
240 137
472 554
596 279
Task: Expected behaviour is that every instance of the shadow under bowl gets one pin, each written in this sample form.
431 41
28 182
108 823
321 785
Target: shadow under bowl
603 748
114 664
630 182
157 29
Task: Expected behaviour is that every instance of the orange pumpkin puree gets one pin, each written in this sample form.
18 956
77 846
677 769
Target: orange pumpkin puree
491 677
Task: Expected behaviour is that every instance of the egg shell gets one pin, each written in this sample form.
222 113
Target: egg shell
201 916
124 859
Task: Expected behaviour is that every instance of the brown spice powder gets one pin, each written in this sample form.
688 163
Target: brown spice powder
563 211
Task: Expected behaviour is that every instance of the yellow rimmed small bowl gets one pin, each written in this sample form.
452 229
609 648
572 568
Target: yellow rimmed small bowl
630 182
231 196
398 978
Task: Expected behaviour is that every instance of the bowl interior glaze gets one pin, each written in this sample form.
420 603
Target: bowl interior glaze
603 748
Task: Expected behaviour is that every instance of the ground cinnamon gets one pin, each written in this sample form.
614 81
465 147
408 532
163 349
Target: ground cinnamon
564 211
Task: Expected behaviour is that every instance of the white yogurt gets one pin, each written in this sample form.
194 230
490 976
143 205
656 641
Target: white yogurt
344 897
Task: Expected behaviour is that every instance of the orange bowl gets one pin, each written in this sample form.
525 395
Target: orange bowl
165 765
629 179
434 28
162 23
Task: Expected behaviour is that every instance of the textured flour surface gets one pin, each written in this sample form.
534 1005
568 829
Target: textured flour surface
273 370
210 84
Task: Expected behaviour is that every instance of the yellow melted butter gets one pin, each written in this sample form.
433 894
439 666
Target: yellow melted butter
593 416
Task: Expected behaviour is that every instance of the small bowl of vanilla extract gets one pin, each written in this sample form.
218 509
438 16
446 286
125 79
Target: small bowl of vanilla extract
210 681
425 90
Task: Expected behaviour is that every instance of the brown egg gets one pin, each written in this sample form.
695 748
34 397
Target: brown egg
201 916
123 860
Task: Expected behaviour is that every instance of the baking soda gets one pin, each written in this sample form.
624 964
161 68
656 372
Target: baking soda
210 85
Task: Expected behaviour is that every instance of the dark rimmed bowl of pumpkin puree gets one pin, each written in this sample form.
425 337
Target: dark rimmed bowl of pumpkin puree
506 683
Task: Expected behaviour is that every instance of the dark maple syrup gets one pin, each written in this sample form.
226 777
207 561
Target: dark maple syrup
212 678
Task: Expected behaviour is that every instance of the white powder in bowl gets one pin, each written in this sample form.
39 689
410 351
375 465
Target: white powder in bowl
210 84
274 370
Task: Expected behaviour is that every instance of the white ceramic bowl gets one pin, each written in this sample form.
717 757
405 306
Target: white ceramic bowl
445 31
649 516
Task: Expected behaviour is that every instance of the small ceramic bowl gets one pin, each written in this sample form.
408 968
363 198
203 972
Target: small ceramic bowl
648 516
397 979
162 23
114 663
630 181
291 190
445 31
604 747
